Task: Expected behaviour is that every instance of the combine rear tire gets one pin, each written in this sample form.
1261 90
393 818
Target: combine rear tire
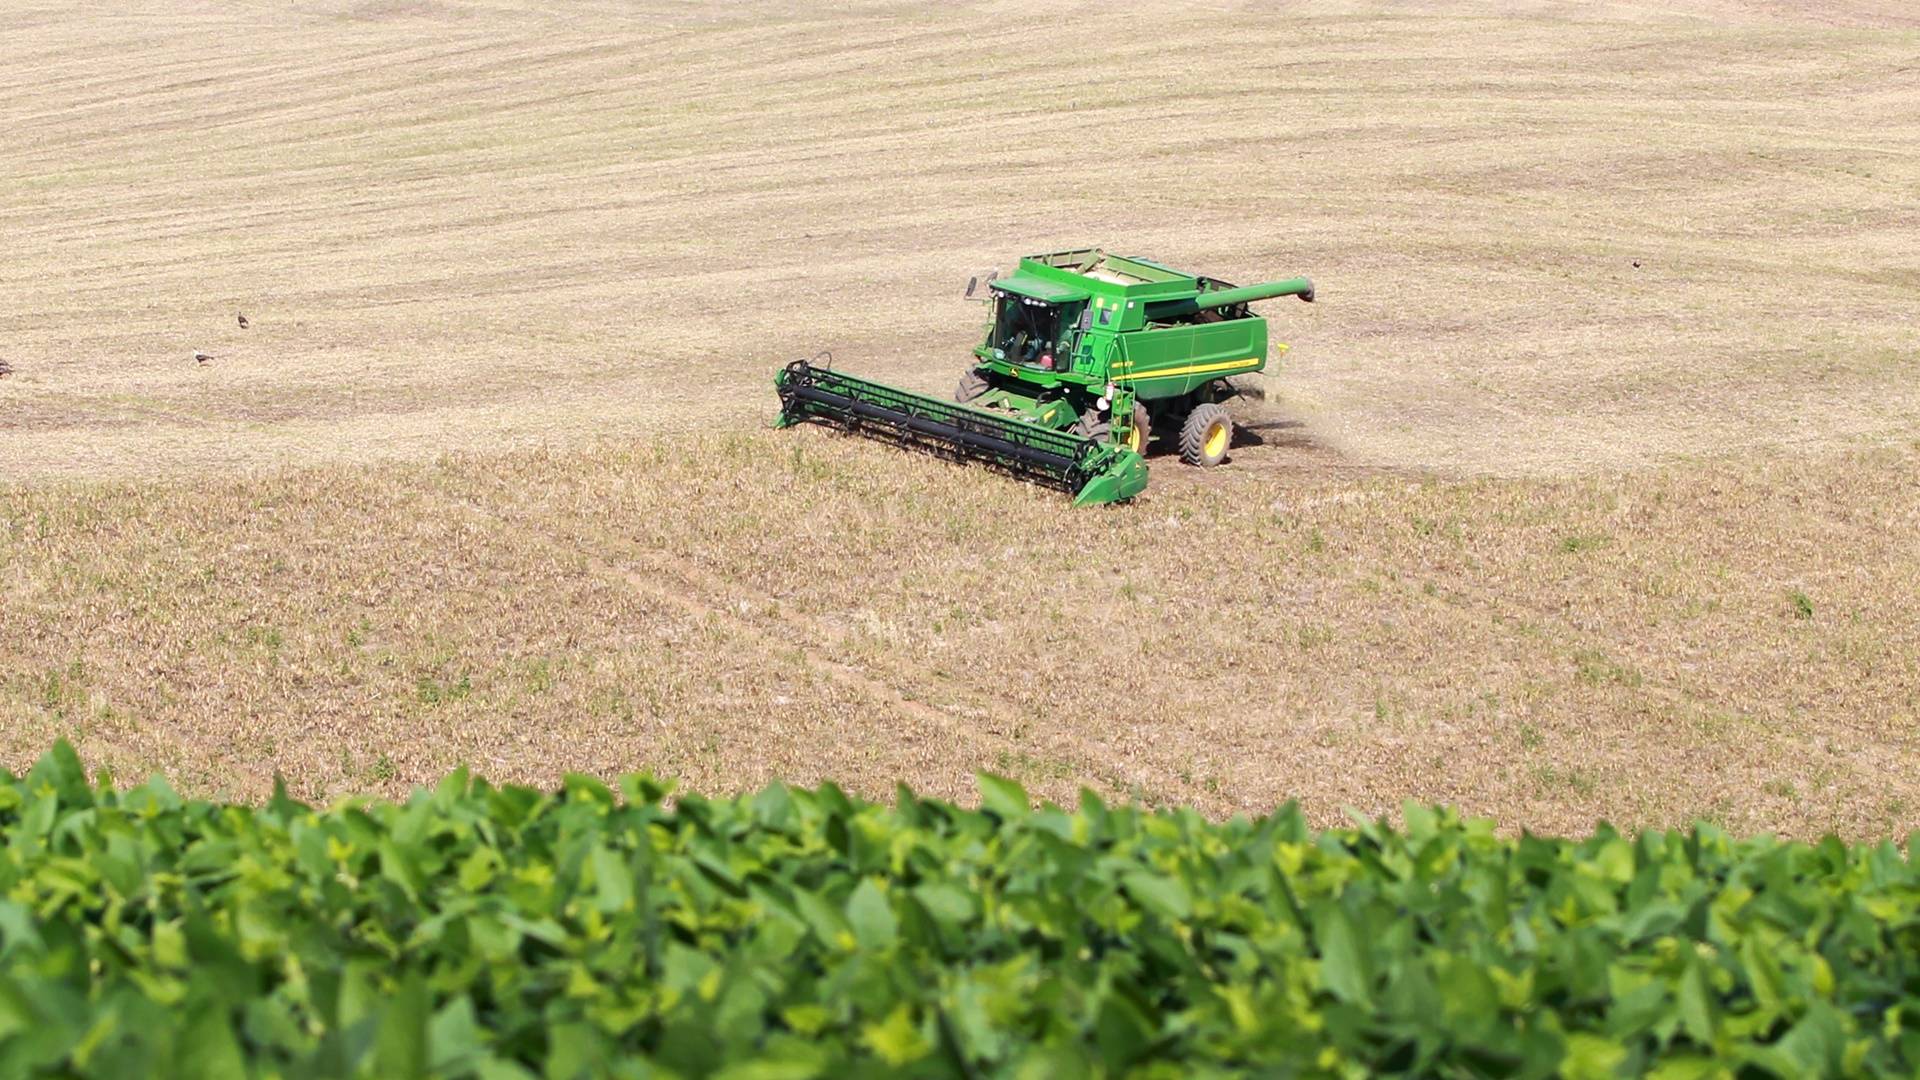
1205 436
972 385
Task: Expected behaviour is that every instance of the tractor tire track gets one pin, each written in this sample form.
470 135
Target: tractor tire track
1092 764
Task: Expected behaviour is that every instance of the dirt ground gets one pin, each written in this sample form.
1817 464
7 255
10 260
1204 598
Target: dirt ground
1588 487
1547 236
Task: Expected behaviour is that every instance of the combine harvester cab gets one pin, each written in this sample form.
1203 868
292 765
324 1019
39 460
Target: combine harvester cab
1086 355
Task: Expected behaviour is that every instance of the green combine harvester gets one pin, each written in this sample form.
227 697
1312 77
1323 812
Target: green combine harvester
1087 354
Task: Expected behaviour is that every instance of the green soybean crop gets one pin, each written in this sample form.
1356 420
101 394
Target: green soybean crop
626 931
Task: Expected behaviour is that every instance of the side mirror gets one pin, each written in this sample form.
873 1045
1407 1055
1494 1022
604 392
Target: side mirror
972 284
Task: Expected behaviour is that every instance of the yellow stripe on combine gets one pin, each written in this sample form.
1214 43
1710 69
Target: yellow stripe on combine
1190 369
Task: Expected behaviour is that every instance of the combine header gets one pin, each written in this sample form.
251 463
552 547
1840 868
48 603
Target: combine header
1087 354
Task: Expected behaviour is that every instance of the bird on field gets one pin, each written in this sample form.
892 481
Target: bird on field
1636 264
202 358
6 369
243 322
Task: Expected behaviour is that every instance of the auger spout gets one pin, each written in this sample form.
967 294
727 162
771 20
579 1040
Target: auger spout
1219 298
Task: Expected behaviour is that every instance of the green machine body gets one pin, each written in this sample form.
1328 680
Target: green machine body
1085 356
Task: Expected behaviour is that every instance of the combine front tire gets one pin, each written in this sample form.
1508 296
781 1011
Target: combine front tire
1205 436
1102 430
972 385
1142 431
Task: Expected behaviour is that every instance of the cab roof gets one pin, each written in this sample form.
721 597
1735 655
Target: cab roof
1039 288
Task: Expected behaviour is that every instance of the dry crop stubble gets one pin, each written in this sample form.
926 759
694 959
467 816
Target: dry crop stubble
370 631
1521 525
1733 640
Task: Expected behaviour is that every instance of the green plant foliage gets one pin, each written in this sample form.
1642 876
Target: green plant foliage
505 933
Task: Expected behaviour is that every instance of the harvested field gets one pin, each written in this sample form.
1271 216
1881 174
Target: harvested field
467 225
1732 640
1589 488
